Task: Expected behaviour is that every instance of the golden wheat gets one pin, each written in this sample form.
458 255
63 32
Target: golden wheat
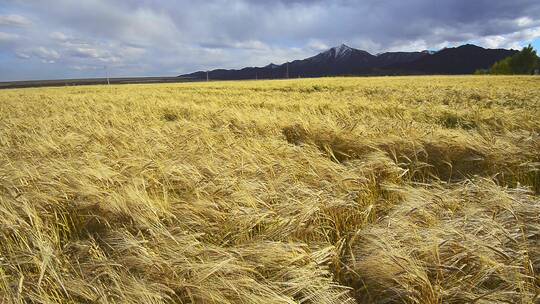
339 190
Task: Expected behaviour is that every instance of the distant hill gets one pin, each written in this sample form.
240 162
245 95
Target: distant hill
460 60
344 60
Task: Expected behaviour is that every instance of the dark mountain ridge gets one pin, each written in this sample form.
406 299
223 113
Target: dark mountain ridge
344 60
464 59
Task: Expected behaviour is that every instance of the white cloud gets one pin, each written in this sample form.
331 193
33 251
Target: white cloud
46 55
86 52
317 45
524 21
59 36
23 55
251 45
7 37
14 20
513 40
86 67
95 52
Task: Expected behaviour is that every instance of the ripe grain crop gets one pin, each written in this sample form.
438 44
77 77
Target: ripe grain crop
338 190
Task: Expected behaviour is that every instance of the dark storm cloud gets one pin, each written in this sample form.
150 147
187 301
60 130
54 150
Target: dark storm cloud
64 38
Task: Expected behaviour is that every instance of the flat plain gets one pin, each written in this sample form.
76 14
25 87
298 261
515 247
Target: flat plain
333 190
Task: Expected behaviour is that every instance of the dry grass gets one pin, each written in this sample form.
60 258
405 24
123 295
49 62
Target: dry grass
340 190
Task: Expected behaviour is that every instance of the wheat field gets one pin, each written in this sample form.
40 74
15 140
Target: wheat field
337 190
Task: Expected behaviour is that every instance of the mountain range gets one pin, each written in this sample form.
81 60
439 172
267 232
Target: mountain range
344 60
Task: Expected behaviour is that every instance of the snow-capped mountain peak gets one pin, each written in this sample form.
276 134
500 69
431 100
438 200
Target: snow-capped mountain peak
342 50
338 52
272 66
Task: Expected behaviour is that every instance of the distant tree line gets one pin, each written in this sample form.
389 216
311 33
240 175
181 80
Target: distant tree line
525 62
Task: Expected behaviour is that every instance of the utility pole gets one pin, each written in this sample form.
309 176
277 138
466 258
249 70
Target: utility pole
107 75
287 75
207 76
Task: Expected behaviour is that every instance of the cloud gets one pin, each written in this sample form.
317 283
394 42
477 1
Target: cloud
317 45
59 36
45 55
14 20
525 21
86 67
159 37
119 20
23 55
7 37
86 53
511 40
246 45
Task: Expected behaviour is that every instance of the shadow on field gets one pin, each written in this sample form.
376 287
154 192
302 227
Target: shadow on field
446 159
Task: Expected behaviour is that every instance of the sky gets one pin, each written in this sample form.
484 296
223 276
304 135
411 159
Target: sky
53 39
